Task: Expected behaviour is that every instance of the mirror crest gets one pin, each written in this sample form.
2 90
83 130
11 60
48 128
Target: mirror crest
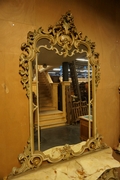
65 41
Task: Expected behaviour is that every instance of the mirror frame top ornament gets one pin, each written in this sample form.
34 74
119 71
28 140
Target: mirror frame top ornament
64 34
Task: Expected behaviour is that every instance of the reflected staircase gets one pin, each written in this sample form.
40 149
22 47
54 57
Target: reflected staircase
45 92
49 115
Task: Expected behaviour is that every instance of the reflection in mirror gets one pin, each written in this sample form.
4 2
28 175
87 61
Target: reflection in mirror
56 122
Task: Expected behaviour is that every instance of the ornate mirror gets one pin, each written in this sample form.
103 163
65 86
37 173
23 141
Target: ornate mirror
61 46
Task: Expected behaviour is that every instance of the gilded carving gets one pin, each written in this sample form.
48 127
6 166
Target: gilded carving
31 161
63 35
23 64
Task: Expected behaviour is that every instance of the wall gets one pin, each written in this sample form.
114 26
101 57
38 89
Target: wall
99 20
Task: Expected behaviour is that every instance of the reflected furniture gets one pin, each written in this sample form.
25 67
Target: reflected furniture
84 126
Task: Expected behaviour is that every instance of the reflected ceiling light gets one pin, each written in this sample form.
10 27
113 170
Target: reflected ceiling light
81 59
56 69
85 71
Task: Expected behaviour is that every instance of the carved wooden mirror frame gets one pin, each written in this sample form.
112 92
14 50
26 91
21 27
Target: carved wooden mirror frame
64 35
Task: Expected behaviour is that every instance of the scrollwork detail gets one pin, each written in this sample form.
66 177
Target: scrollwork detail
64 34
31 161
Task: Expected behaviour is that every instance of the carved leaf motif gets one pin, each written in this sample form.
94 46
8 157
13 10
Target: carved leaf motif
64 34
29 161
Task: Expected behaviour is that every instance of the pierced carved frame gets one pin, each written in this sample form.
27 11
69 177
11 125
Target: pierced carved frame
65 35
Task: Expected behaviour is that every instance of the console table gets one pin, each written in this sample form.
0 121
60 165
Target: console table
99 165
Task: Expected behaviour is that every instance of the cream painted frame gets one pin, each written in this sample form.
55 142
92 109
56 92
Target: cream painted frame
64 34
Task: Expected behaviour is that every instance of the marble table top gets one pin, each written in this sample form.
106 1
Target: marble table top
86 167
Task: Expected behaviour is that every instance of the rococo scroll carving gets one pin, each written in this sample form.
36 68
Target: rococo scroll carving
63 35
24 72
32 161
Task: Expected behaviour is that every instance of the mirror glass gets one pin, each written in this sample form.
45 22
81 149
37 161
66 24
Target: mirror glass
53 127
60 71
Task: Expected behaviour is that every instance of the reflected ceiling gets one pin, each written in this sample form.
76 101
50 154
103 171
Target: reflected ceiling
54 61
